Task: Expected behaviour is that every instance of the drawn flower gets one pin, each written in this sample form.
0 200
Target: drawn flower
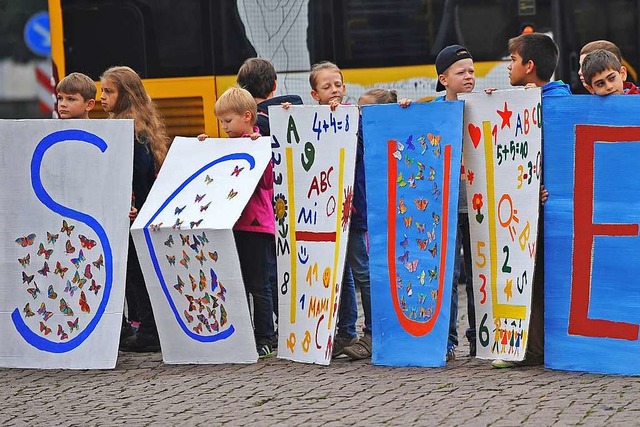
477 201
280 208
470 177
347 207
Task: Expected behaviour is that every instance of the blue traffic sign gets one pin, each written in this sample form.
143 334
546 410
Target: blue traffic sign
37 34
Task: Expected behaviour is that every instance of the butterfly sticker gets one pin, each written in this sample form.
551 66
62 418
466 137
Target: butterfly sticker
64 308
51 238
435 191
436 218
436 152
408 161
85 242
214 325
423 143
221 293
203 281
87 272
431 235
61 333
421 277
25 261
432 173
237 170
214 256
208 180
201 257
211 312
51 293
420 226
154 227
422 244
405 242
411 266
185 239
99 262
191 300
407 221
46 315
421 298
34 291
27 311
203 321
421 203
232 194
26 279
76 261
185 260
434 140
434 250
404 257
199 198
46 252
44 328
402 208
25 241
400 180
73 325
169 241
66 228
223 316
69 248
45 269
94 287
195 223
204 207
203 239
177 225
434 294
409 290
178 210
80 281
198 329
84 305
194 284
195 244
411 181
60 269
188 316
171 259
178 286
409 143
70 289
433 274
214 279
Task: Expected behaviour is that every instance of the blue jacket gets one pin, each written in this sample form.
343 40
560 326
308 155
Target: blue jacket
262 120
359 213
556 88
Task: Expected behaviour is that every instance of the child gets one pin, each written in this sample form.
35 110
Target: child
456 74
76 96
327 88
357 248
124 97
605 75
254 230
534 58
592 46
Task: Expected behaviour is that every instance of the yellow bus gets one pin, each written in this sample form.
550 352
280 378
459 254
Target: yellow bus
188 51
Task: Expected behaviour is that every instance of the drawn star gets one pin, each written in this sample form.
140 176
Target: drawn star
506 116
470 177
507 289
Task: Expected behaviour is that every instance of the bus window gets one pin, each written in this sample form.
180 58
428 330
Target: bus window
157 38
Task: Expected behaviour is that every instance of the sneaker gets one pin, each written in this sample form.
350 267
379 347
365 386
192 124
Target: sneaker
141 343
339 343
501 364
264 351
361 349
451 355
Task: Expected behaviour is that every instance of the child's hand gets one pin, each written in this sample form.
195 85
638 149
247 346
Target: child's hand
490 90
404 102
286 105
254 136
202 137
530 86
333 104
133 213
544 194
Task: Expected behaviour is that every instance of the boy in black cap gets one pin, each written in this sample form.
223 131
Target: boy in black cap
454 65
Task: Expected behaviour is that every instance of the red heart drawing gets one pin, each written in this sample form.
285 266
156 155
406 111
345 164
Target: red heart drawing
474 133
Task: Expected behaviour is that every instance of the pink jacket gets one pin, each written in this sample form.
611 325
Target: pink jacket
258 215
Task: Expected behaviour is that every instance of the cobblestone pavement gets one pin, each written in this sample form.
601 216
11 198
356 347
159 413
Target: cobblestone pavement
144 391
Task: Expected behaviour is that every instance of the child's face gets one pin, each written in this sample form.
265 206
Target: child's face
73 106
329 87
517 70
235 125
108 96
366 100
608 82
460 77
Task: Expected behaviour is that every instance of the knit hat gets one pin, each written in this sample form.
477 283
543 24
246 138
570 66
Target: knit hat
447 57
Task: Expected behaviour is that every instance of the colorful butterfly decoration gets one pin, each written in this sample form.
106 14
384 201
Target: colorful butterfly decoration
73 325
171 259
70 289
407 221
199 198
404 257
232 194
214 256
64 308
25 261
51 238
25 241
214 279
208 180
400 180
185 239
198 329
99 262
66 228
203 281
421 203
433 273
203 238
27 279
436 218
237 170
223 316
178 224
222 292
44 328
46 315
178 286
194 284
422 244
51 293
61 333
27 311
405 242
402 208
46 252
185 260
69 248
34 291
87 272
94 287
421 277
411 266
85 242
204 207
45 269
76 261
178 210
84 305
201 257
195 223
188 316
434 250
60 269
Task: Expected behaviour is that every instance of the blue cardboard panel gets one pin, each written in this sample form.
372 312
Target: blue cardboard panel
412 162
592 300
